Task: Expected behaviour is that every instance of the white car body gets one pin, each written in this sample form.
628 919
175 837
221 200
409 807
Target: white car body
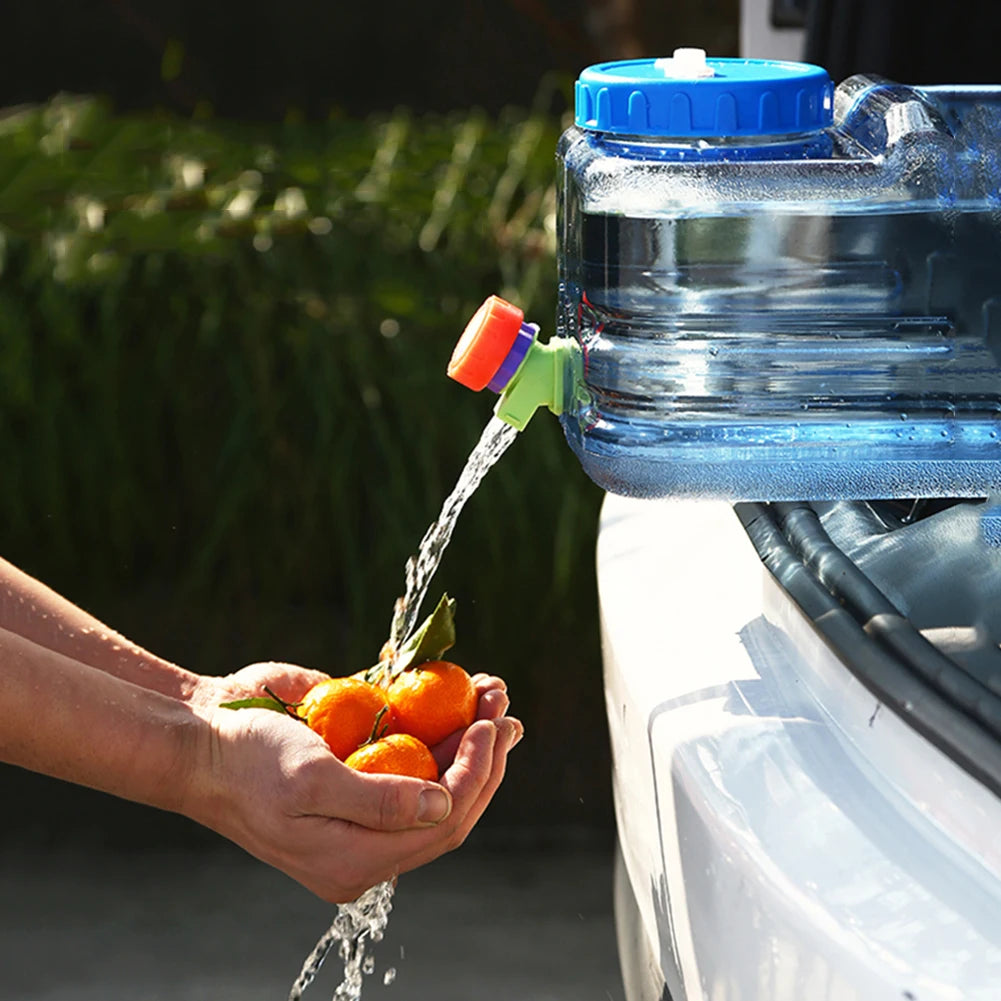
784 834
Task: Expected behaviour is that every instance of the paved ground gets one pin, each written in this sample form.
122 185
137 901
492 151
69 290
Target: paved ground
482 924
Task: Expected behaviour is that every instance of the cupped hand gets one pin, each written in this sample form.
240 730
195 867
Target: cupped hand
271 785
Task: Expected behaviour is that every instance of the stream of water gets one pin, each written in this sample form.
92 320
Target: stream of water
420 568
363 922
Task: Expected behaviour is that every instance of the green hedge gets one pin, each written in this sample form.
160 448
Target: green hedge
224 418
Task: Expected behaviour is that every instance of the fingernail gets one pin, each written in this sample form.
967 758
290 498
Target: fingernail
511 730
433 806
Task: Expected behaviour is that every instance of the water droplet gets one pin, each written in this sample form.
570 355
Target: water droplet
389 976
903 416
368 965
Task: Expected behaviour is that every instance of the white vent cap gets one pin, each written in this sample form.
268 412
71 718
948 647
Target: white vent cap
686 64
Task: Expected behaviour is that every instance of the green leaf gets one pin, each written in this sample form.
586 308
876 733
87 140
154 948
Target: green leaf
431 639
259 702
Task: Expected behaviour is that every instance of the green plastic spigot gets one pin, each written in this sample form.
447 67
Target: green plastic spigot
538 382
498 350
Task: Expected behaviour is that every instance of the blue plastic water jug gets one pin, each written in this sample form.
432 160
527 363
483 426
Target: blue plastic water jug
771 289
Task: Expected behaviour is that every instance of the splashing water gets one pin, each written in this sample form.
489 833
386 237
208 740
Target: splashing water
356 926
364 921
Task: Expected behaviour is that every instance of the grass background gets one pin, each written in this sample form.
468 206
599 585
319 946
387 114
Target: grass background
225 422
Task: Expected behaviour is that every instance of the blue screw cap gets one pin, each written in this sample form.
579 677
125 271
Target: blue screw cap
689 96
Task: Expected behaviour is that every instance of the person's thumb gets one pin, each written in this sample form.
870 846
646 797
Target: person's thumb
390 802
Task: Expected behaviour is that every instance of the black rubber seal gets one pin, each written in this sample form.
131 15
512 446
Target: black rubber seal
875 641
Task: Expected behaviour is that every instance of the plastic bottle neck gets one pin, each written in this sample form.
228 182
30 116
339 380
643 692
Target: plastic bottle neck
714 149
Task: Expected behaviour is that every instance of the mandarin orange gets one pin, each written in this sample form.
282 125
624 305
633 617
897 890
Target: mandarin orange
395 754
343 712
432 701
